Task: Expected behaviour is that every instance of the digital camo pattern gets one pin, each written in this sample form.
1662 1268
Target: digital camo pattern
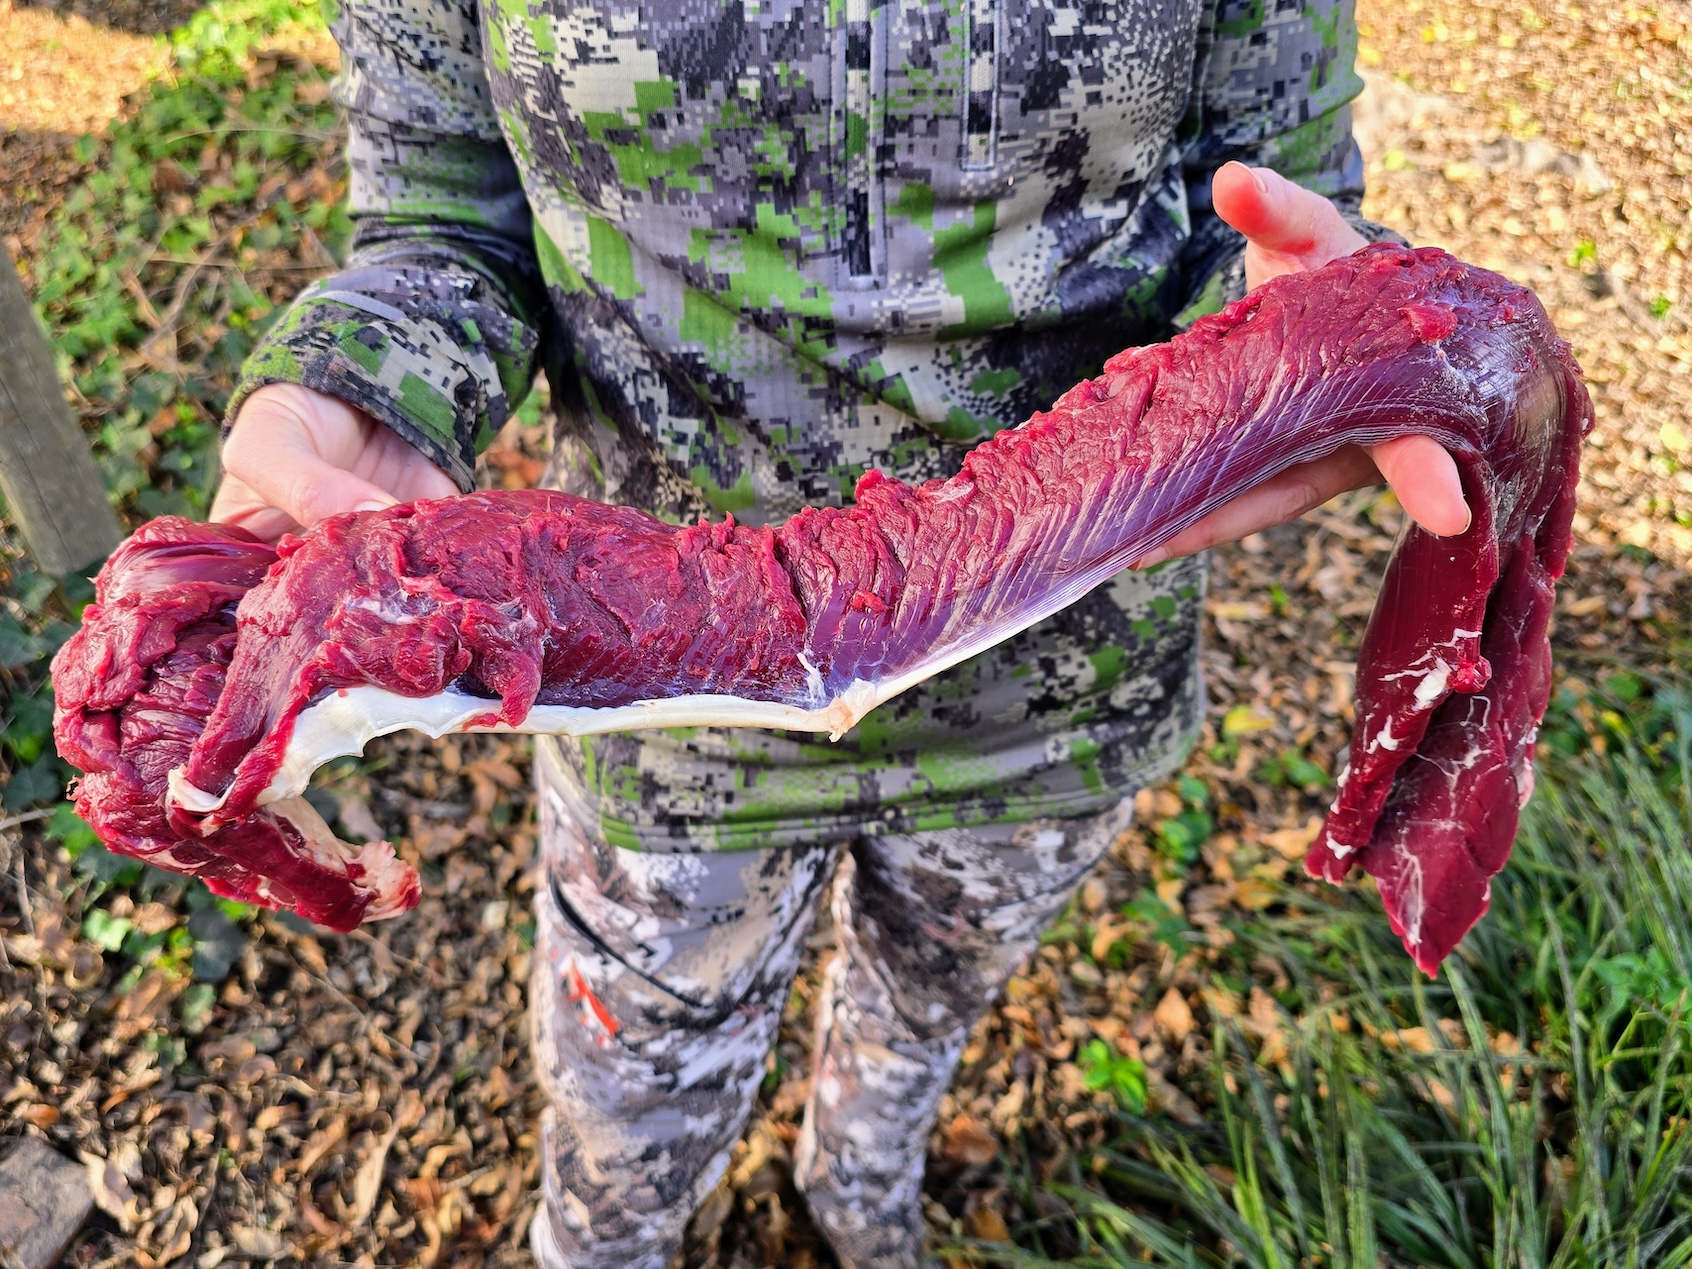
930 926
788 240
659 982
657 991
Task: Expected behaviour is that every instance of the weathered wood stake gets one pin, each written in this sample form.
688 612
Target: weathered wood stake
52 486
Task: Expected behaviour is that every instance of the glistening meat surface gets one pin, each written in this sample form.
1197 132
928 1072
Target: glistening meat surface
200 695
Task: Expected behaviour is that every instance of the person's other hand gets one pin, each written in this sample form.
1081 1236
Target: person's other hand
294 456
1288 229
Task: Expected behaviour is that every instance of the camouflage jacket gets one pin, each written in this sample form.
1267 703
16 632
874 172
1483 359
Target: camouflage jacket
763 245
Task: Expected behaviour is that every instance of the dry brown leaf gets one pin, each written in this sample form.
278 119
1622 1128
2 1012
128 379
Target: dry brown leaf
1174 1015
1263 1019
1108 931
1253 894
1221 1002
1094 894
262 1243
109 1180
985 1222
497 1089
271 1116
1414 1039
409 1113
144 1004
1008 1108
233 1049
154 918
141 1080
320 1224
967 1140
367 1183
1294 843
319 1144
1169 891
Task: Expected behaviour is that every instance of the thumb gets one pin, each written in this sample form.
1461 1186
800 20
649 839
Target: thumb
1287 227
1424 476
276 454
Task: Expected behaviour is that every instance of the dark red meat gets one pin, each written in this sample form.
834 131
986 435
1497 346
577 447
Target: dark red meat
187 694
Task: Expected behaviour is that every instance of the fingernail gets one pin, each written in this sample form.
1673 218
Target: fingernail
1257 179
374 505
1151 559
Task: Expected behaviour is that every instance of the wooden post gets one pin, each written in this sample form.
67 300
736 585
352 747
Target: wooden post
51 483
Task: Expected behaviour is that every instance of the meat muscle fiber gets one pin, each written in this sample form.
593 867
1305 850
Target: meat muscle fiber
214 673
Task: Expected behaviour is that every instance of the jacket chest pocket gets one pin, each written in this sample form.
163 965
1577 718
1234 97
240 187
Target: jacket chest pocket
983 35
916 115
859 126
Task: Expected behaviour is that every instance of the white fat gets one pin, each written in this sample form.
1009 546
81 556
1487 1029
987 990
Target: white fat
191 797
813 678
1338 851
1432 686
1412 901
1385 739
344 722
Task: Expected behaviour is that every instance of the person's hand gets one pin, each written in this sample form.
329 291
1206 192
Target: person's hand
295 456
1288 229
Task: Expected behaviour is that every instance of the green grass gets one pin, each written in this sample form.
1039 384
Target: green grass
142 278
1541 1118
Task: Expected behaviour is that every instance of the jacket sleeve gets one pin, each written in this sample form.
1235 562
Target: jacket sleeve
433 324
1272 87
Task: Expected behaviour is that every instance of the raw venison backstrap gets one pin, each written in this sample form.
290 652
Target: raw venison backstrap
214 674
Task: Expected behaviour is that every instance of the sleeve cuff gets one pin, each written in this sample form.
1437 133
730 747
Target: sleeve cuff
435 366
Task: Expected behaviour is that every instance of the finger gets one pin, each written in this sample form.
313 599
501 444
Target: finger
1424 476
1276 214
1277 500
279 466
1287 228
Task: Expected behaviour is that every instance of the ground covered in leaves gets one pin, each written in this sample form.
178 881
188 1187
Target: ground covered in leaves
244 1089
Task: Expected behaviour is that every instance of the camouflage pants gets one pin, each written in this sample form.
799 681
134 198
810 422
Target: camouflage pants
658 988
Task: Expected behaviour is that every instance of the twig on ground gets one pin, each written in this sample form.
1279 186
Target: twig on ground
27 817
23 892
185 284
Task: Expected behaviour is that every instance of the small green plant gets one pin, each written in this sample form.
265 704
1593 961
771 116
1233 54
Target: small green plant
206 946
204 204
142 276
1293 769
1180 837
1155 923
1660 307
1583 254
1105 1070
